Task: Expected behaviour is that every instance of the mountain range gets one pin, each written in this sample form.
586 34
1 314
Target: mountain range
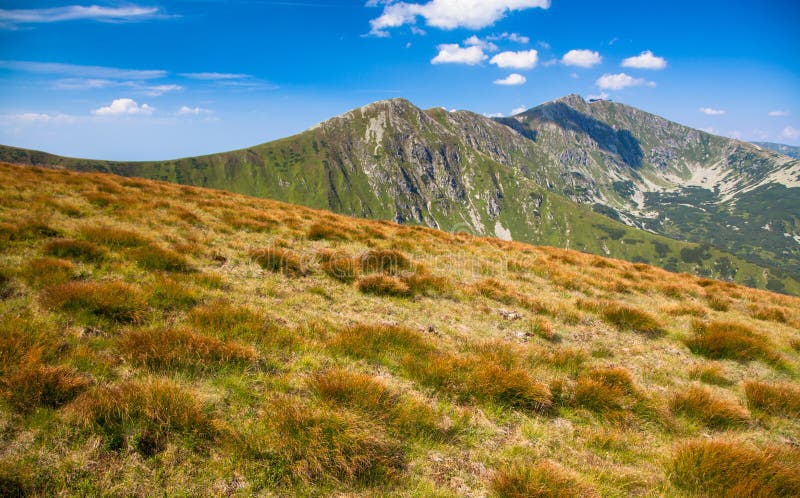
599 176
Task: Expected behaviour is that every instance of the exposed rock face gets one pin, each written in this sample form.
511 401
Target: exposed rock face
515 177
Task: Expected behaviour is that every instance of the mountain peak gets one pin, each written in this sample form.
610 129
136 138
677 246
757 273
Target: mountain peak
572 100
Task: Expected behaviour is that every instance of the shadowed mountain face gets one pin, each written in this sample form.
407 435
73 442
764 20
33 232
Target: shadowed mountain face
600 177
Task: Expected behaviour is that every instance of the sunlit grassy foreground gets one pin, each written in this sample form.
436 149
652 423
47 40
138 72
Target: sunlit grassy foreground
160 339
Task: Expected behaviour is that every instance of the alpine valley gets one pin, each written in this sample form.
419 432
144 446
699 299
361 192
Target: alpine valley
599 177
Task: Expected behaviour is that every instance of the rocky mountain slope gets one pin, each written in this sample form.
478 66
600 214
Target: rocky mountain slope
600 177
166 340
787 150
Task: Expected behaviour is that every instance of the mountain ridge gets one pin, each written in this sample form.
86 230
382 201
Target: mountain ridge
460 171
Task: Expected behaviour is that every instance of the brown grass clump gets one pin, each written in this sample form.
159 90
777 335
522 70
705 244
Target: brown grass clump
625 317
143 414
181 348
341 267
733 341
720 467
310 444
48 271
79 250
34 385
327 231
605 390
770 313
700 403
710 373
374 398
718 303
112 237
383 285
168 294
280 260
781 399
545 479
686 309
113 300
386 261
155 258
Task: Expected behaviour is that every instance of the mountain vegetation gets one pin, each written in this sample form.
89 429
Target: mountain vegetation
599 177
165 339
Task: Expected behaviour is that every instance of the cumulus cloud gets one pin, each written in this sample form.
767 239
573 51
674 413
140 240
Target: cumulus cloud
76 13
581 58
777 114
790 133
494 115
448 14
452 53
192 111
645 60
474 41
512 79
36 117
518 110
710 111
124 107
620 81
524 59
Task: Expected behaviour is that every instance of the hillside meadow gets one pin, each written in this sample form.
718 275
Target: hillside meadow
158 339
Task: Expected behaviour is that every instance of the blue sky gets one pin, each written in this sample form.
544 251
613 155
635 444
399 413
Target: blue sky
155 80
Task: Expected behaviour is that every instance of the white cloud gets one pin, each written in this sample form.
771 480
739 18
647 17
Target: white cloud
123 107
524 59
514 37
73 70
158 90
452 53
710 111
512 80
474 41
574 76
495 115
790 133
645 60
581 58
620 81
35 117
778 114
215 76
518 110
75 13
192 111
82 83
449 14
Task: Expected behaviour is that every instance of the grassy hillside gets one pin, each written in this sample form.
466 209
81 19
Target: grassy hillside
165 339
302 170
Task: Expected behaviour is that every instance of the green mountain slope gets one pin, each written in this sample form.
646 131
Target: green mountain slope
788 150
523 178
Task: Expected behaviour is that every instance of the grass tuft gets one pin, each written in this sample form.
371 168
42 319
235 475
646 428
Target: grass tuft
720 467
79 250
113 300
35 385
383 285
112 237
781 399
387 261
545 479
168 294
770 313
700 403
733 341
625 317
181 348
710 373
155 258
285 261
48 271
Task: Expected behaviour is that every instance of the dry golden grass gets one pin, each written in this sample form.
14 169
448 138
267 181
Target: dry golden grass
272 390
544 479
770 313
180 348
383 285
720 467
781 399
700 403
112 300
734 341
281 260
79 250
311 445
144 414
625 317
